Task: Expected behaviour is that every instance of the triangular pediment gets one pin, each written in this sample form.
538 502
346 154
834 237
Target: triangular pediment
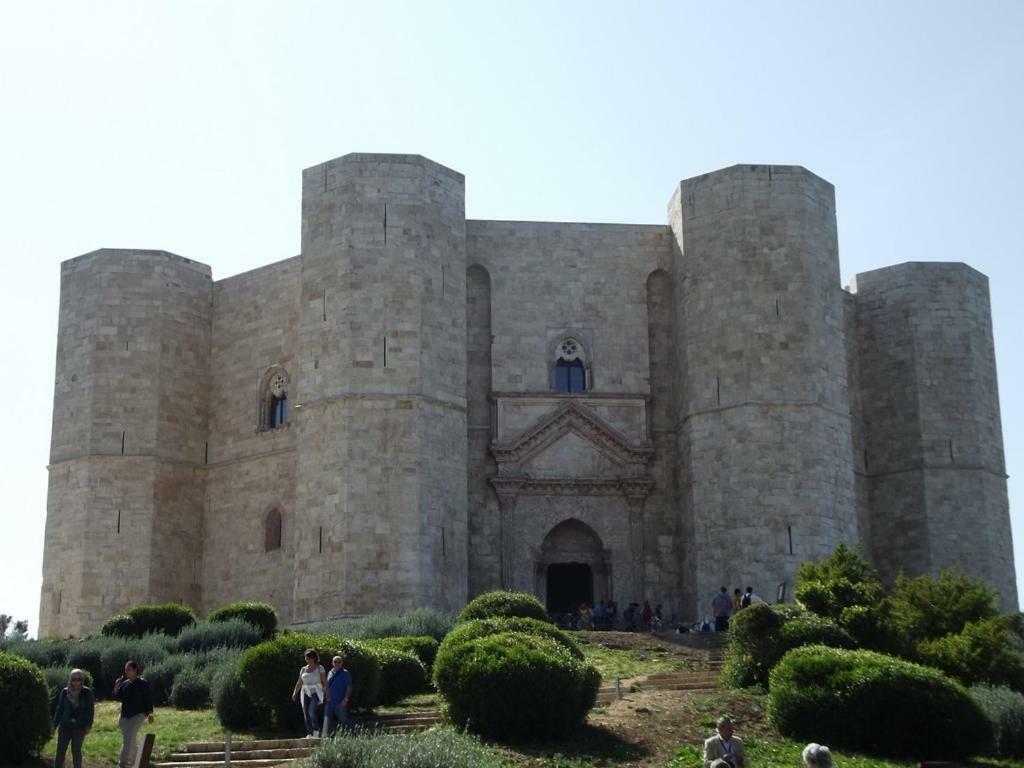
592 439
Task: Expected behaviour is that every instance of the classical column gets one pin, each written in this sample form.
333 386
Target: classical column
635 505
507 500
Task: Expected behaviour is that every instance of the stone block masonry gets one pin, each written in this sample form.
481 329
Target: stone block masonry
419 408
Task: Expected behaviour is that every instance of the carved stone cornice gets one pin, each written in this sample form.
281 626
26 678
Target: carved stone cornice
571 417
515 485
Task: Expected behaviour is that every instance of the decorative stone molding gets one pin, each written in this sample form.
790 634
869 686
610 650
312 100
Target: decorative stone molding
572 417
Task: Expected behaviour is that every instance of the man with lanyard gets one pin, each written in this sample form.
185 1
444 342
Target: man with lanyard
724 746
339 693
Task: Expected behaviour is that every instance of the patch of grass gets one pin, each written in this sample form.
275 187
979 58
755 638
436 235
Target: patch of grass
589 745
777 753
420 702
648 659
173 728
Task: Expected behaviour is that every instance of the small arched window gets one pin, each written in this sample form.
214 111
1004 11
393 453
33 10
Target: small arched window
570 369
272 531
274 399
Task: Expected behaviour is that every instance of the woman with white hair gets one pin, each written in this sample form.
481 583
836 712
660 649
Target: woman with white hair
73 718
817 756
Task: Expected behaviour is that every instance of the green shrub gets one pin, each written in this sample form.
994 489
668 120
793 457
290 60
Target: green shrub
401 674
24 708
761 634
57 679
145 651
120 625
502 603
42 653
227 633
423 648
436 748
419 622
236 710
87 656
471 630
190 691
168 618
259 615
162 674
268 672
1005 711
869 702
984 652
928 608
515 685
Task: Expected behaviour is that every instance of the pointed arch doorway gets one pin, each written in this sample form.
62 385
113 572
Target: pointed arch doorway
572 568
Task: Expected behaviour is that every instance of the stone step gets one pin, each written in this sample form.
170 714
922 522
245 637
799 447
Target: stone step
234 763
246 744
244 754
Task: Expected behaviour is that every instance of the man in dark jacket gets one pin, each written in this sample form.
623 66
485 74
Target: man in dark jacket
136 706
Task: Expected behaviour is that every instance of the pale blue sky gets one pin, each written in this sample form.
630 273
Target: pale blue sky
185 126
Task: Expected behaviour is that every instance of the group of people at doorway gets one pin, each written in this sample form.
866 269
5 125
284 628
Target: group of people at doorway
724 750
723 606
323 692
605 615
76 711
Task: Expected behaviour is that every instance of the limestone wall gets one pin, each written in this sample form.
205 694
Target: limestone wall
382 375
765 434
130 424
933 435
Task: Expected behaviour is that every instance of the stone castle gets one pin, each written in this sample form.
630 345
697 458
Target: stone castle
421 407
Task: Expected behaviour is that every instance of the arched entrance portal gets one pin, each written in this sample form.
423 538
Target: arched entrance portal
569 584
572 568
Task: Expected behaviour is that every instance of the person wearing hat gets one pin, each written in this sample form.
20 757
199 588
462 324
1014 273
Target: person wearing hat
724 746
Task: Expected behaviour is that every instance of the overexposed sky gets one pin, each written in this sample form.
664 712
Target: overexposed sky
185 126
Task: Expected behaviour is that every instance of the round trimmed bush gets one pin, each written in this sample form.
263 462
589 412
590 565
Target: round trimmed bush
120 625
268 672
761 634
57 679
24 708
869 702
471 630
401 674
1004 708
236 710
423 648
514 685
190 692
168 618
228 633
503 603
259 615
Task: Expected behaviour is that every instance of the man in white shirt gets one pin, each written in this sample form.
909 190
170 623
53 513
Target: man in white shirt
724 746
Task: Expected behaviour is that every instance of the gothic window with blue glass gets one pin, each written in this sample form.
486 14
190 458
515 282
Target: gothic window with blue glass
275 400
278 410
570 373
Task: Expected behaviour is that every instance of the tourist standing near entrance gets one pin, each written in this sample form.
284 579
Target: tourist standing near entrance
721 606
136 707
339 693
73 718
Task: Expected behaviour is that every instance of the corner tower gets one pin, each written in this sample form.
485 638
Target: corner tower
126 487
764 429
381 484
933 454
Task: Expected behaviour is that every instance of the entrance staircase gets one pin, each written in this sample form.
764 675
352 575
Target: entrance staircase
264 753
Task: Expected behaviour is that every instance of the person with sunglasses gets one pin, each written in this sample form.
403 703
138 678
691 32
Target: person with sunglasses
73 718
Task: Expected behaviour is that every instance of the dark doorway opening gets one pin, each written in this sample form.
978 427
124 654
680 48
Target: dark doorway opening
569 584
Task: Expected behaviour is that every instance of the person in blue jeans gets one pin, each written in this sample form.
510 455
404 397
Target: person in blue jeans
339 693
73 718
312 686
